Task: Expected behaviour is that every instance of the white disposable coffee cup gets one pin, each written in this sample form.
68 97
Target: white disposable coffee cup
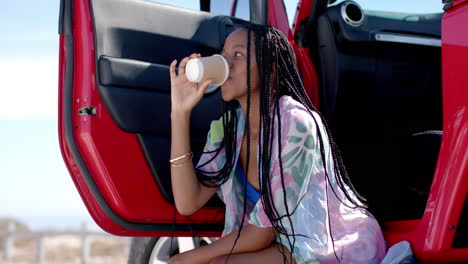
213 68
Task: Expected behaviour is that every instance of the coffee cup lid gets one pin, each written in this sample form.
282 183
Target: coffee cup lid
194 70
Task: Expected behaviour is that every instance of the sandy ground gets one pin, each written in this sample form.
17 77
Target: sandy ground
67 250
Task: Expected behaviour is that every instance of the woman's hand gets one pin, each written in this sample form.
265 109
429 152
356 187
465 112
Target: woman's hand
184 93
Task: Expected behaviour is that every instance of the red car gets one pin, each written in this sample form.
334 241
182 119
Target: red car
393 88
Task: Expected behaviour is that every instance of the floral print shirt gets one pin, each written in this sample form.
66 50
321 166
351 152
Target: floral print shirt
327 228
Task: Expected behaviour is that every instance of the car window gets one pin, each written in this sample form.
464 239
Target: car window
398 8
291 8
224 8
243 9
190 4
221 7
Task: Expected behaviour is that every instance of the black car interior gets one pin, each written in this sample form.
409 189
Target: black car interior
380 92
133 73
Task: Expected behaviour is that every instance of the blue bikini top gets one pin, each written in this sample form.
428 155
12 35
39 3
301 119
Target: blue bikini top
252 194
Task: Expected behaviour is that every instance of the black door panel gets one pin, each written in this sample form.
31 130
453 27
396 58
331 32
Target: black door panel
128 73
135 43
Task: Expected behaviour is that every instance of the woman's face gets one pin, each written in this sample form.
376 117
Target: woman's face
235 52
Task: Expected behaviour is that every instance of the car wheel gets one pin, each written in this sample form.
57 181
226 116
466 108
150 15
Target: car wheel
158 250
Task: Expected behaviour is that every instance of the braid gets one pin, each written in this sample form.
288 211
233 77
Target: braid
229 120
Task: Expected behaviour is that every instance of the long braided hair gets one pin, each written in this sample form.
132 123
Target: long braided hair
278 76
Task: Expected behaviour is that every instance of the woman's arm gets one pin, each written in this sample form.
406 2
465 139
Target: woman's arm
251 239
189 194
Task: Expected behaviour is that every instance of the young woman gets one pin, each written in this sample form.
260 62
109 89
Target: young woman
272 160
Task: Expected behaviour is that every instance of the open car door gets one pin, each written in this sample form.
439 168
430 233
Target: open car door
114 110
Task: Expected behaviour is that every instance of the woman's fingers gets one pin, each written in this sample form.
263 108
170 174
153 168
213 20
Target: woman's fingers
182 64
184 61
172 69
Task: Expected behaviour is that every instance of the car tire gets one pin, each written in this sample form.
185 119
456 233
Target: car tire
158 250
141 249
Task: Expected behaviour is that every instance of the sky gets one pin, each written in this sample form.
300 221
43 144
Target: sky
35 186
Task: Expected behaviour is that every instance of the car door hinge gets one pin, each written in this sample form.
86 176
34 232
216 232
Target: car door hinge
87 110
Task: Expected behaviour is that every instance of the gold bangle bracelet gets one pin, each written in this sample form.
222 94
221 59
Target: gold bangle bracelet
189 155
181 163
